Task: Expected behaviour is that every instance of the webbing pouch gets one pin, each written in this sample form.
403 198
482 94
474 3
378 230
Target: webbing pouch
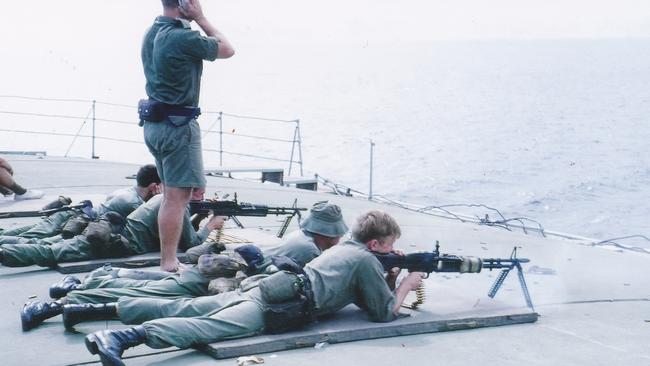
74 226
151 110
280 287
286 316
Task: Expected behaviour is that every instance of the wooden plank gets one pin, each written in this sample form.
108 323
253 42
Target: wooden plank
294 340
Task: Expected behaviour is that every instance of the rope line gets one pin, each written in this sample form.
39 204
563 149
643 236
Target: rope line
251 136
257 118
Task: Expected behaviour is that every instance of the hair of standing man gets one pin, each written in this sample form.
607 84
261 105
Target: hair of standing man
170 3
147 174
375 224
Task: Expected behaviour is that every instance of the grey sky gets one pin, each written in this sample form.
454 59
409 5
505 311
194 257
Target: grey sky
345 20
68 44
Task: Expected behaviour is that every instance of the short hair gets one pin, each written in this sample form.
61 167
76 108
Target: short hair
170 3
375 224
147 174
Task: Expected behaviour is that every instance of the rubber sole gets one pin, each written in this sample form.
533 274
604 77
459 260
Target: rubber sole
95 347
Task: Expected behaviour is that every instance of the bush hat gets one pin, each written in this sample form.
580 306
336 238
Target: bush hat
325 219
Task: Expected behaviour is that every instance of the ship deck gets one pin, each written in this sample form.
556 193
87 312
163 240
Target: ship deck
593 302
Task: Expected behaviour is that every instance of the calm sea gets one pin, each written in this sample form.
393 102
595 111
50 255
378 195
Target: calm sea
556 131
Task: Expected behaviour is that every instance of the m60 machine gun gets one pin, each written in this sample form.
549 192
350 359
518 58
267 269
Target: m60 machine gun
435 262
233 208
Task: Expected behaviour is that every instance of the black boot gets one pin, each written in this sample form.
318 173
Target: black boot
110 344
76 313
61 288
34 313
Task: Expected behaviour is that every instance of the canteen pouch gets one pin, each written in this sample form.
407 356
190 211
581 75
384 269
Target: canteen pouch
286 316
74 226
280 287
98 233
151 110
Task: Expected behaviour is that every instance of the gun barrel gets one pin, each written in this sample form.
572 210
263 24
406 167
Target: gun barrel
498 263
7 215
284 210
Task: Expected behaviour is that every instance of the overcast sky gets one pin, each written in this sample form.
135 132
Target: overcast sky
345 20
68 42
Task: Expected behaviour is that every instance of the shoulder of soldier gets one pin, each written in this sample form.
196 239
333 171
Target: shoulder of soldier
122 194
359 253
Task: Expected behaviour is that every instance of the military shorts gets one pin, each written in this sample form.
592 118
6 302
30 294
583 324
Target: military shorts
177 150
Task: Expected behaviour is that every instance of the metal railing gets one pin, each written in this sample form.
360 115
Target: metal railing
91 117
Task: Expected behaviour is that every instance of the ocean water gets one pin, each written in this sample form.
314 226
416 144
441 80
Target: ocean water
553 130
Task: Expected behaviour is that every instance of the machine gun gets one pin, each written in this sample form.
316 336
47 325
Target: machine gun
435 262
83 206
233 208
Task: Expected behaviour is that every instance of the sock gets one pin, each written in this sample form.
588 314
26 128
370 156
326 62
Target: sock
18 189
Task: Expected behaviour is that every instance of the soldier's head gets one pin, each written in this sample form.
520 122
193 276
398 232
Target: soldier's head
325 224
148 181
172 8
170 3
378 230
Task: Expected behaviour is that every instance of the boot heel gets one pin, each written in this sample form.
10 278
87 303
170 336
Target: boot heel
91 344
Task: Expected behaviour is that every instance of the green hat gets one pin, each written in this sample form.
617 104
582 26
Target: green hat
325 219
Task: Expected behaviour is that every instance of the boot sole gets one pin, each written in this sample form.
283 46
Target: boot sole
25 323
67 321
95 347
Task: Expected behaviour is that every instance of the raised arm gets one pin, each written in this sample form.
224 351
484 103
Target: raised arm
192 10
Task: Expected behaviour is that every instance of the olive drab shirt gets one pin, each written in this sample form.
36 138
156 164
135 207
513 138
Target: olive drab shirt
349 273
123 201
142 228
172 56
297 245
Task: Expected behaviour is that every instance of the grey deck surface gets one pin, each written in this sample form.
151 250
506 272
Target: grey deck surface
593 302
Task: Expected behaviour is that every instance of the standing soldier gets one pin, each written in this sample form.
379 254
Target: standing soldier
172 56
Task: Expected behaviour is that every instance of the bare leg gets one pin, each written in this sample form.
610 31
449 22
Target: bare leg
170 225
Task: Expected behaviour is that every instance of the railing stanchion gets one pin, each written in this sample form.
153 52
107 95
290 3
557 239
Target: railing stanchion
299 146
220 138
93 156
293 146
372 145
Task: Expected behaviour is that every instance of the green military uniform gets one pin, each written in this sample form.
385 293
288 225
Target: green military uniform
347 273
123 201
141 231
298 245
172 57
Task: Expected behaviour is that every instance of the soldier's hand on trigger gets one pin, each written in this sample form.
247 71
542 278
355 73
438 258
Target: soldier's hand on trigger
191 9
393 273
216 222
